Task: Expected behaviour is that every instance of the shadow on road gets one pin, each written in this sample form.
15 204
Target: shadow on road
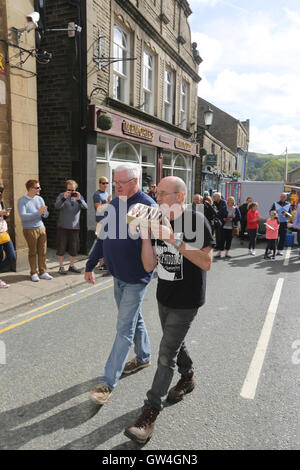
271 266
11 438
104 433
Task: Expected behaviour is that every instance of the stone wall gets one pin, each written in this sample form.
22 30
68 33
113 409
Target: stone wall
18 116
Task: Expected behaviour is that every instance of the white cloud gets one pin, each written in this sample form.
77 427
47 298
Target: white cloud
251 70
293 16
274 139
195 3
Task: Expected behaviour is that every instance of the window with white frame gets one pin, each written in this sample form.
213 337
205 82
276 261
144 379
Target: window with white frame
148 82
121 68
183 105
169 94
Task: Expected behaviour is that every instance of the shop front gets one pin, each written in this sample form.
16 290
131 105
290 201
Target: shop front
157 153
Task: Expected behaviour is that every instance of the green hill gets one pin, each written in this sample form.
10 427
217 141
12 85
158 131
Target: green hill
274 167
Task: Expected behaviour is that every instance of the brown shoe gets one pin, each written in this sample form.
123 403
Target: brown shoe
142 429
134 365
184 385
100 394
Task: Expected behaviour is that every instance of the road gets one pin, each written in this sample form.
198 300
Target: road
245 343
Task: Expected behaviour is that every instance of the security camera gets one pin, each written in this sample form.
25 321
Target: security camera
33 18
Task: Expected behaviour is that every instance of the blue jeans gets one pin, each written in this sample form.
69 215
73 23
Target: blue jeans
9 250
130 328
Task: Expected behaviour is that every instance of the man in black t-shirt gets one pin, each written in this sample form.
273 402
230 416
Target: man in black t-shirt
181 248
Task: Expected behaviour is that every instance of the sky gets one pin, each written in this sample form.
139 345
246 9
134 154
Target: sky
251 66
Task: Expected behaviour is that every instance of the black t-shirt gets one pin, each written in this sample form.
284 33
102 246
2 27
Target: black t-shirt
182 284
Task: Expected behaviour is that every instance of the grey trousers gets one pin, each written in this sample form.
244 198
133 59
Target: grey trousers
175 325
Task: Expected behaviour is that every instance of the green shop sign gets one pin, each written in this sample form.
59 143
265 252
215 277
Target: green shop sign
211 160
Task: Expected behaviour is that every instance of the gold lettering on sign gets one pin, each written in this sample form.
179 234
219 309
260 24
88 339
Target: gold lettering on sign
181 144
137 131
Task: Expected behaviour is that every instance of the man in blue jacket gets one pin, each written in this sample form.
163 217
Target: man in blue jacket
122 255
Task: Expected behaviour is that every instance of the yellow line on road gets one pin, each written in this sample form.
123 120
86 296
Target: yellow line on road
53 302
14 325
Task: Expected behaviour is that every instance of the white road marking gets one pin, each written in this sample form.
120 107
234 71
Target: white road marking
249 387
287 256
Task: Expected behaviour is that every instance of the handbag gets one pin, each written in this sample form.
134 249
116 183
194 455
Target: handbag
235 231
4 237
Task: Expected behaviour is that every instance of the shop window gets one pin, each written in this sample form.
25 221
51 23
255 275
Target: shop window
124 152
121 68
167 158
148 177
148 155
101 148
180 162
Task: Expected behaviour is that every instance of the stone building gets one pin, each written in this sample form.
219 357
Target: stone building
228 140
18 112
294 175
122 89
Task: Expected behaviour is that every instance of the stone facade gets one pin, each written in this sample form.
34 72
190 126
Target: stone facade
74 88
228 139
227 129
158 26
18 115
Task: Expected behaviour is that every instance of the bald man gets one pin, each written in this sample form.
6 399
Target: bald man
182 251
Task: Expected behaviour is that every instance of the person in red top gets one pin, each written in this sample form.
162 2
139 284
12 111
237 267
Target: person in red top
272 228
253 218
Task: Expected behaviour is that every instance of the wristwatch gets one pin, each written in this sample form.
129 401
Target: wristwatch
178 241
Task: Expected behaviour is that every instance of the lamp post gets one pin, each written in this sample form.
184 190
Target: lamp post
199 137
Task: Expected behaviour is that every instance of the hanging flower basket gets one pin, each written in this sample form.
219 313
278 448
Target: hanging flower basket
105 122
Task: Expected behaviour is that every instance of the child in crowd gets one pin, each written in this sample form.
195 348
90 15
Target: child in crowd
253 218
272 228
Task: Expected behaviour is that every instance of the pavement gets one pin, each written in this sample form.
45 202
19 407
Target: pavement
22 290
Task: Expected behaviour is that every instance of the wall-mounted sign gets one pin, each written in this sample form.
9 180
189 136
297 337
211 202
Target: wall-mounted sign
183 145
137 131
164 139
211 159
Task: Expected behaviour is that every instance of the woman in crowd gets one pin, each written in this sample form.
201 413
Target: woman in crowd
232 220
210 212
253 218
6 245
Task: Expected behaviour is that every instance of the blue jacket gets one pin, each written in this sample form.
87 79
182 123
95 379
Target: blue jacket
122 253
281 207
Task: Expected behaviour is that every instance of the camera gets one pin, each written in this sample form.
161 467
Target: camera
74 194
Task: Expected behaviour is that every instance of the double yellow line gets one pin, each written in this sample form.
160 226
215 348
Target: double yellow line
15 325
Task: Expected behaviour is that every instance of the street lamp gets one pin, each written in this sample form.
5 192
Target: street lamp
208 117
199 137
